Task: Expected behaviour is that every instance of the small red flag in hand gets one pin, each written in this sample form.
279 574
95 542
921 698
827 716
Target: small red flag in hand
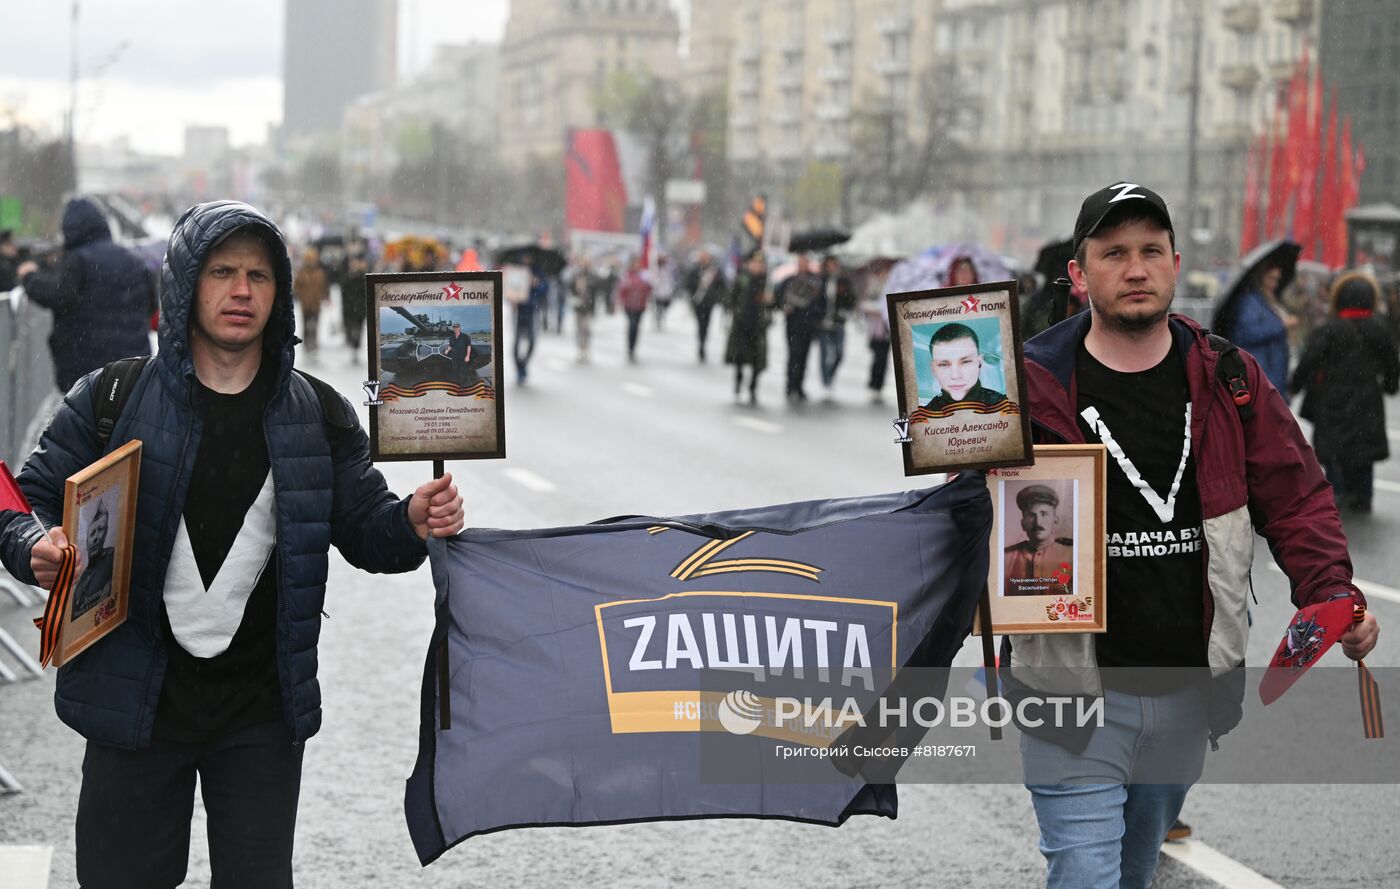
11 497
1312 631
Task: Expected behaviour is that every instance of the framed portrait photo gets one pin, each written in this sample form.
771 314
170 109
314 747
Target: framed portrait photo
434 366
1048 543
99 519
959 378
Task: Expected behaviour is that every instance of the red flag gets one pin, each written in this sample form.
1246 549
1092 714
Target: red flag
1330 212
1346 194
1312 631
11 497
1296 146
1305 219
1253 175
1276 222
595 196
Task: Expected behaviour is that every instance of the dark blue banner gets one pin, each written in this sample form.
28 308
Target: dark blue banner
589 665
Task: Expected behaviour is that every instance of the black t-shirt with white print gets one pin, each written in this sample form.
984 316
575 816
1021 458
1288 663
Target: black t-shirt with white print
206 697
1156 583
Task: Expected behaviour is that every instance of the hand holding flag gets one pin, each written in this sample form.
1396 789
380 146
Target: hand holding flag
53 560
11 497
1310 633
1361 638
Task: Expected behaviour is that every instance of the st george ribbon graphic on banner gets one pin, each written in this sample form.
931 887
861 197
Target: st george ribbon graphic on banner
594 668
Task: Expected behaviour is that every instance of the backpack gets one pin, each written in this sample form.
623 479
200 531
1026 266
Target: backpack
1231 372
119 378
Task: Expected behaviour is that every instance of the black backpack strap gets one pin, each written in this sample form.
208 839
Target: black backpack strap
119 378
332 405
113 390
1232 373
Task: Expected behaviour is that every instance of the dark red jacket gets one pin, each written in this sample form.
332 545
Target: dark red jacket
1256 474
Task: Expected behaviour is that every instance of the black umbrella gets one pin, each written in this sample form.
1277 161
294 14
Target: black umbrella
1281 254
545 260
817 239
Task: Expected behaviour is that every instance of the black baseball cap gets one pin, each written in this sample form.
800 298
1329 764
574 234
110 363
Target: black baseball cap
1097 207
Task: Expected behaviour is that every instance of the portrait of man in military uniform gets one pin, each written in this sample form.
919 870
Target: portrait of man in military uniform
95 583
955 357
1043 563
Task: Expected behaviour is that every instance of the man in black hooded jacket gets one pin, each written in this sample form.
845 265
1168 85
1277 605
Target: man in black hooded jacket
101 296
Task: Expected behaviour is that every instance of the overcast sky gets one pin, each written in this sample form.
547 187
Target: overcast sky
149 67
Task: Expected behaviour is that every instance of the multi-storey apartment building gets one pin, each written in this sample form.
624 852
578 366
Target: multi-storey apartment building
558 54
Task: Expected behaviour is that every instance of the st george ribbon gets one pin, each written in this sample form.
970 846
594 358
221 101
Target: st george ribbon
593 668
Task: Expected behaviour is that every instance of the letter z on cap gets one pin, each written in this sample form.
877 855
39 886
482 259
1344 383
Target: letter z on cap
1097 207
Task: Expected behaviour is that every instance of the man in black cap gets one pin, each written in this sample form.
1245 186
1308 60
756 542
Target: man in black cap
1042 564
1202 451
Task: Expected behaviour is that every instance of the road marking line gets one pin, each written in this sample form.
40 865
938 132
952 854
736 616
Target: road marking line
1387 486
638 390
26 867
1372 590
1216 866
555 364
758 425
533 481
1393 434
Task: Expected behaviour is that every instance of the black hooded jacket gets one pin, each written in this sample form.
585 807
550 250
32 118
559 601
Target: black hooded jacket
101 297
327 493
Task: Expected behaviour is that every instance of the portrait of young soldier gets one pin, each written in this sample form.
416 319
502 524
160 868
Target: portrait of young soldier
1043 563
955 357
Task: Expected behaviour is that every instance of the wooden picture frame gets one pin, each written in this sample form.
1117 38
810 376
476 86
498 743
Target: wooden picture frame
422 405
1054 583
959 378
99 519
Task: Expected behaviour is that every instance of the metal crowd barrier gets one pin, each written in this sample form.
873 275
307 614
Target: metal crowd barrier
28 397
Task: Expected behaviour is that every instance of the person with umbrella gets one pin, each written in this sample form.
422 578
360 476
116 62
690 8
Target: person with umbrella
961 272
1262 325
1346 366
1250 315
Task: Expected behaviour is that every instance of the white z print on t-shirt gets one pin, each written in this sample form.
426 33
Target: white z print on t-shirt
1165 509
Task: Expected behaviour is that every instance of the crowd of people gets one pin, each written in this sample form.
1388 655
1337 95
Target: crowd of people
221 412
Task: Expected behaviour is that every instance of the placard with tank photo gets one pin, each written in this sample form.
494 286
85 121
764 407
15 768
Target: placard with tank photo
959 379
434 377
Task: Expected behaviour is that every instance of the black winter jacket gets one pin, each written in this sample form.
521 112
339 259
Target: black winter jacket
326 492
101 297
